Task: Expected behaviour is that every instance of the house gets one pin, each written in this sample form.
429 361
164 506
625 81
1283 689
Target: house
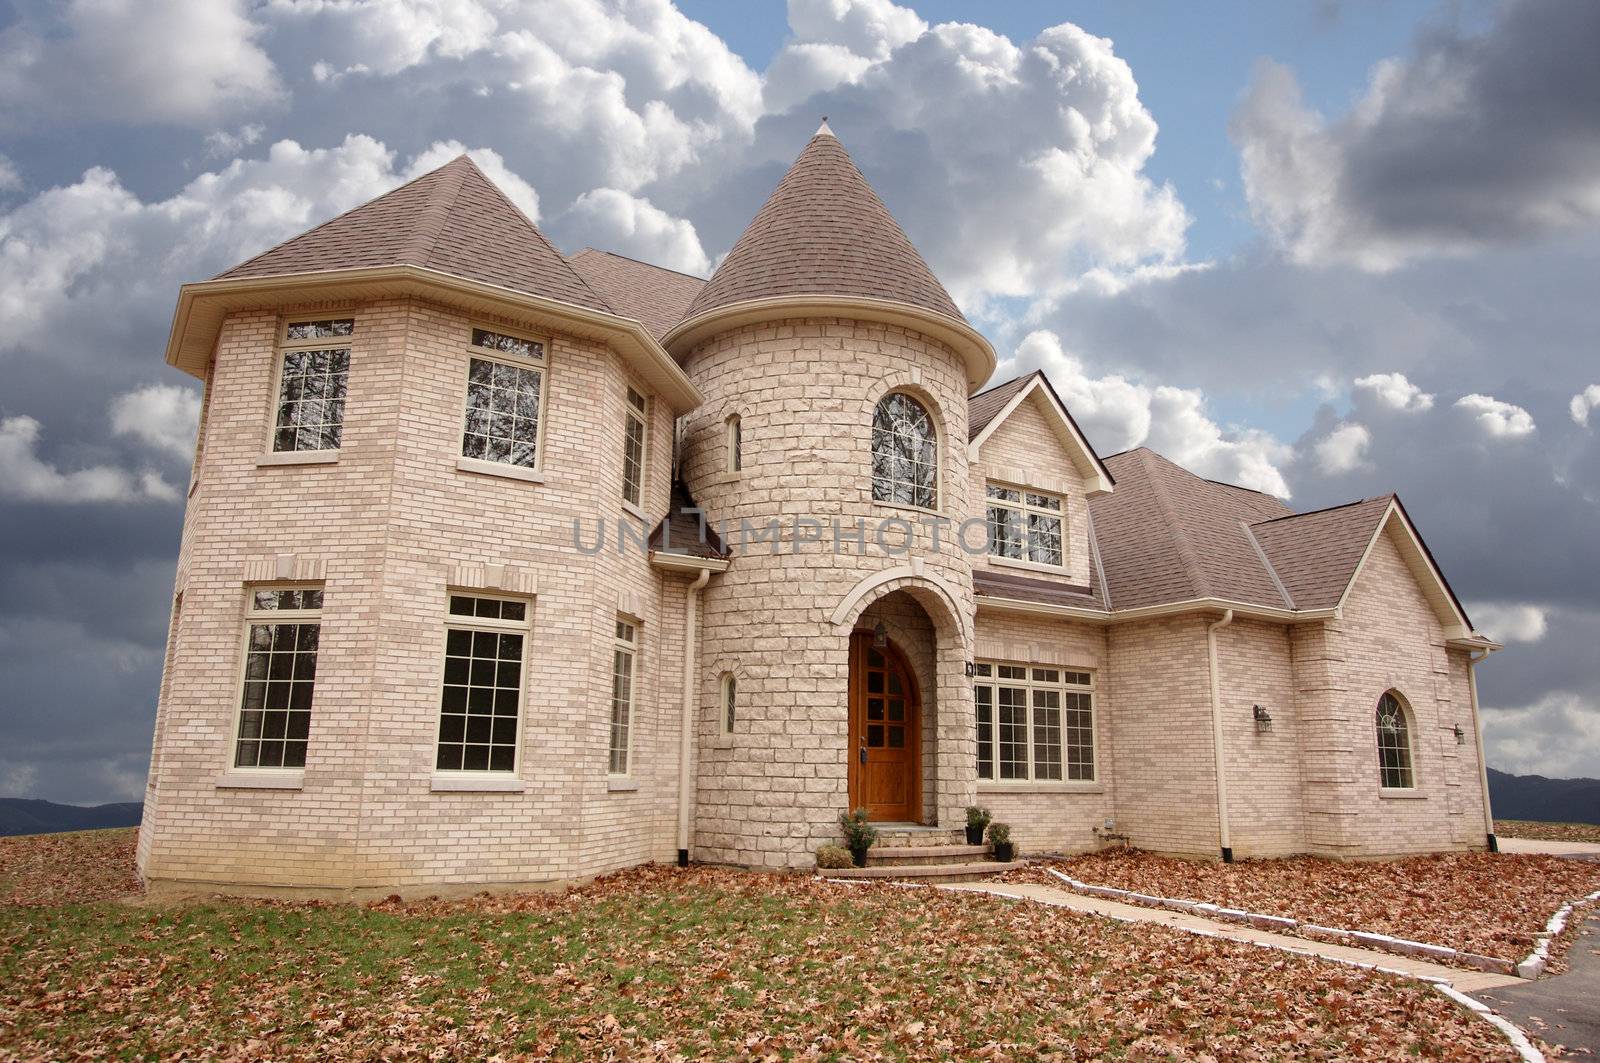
503 567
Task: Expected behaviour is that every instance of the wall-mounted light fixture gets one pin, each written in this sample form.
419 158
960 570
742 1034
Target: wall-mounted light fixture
880 636
1263 719
1461 736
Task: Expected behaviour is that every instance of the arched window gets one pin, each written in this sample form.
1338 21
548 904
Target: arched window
735 444
905 461
730 695
1394 744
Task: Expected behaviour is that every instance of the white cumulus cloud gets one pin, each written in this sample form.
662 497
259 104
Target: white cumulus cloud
1583 403
613 220
1395 391
1343 450
25 477
1503 420
163 417
1555 736
1510 621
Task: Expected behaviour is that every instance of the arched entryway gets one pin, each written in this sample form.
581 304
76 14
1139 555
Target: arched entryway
885 774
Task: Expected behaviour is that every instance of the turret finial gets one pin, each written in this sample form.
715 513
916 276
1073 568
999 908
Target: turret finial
823 130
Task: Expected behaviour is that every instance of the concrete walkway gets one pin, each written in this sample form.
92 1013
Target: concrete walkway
1540 847
1473 982
1563 1010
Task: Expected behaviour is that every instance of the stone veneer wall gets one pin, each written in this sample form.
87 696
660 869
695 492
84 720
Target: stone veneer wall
805 390
388 528
1054 817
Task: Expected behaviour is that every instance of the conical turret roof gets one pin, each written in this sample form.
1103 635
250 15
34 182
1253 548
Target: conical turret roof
824 231
454 220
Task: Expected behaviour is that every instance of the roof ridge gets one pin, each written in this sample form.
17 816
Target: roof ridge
1325 509
1004 383
640 261
441 201
1187 554
1266 562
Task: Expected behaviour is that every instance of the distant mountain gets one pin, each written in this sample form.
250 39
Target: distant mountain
1548 800
20 815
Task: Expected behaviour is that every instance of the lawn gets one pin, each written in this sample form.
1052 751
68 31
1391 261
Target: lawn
659 963
1491 904
1550 832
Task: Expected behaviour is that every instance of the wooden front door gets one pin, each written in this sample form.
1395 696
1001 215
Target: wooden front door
885 737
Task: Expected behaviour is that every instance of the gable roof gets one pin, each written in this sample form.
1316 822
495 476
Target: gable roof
657 296
1316 554
453 220
824 231
989 409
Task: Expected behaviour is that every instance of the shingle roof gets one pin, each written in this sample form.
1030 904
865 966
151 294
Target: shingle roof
985 406
453 220
824 231
1315 554
658 297
1165 535
684 530
991 583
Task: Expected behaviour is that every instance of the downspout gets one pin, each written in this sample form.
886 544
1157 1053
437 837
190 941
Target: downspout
1483 765
1223 837
686 726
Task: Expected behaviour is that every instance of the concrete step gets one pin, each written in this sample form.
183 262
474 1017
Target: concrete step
924 872
900 835
901 855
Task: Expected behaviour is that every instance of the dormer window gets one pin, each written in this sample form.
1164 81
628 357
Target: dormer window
1025 525
312 376
905 454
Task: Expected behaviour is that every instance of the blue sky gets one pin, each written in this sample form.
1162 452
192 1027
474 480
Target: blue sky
1322 249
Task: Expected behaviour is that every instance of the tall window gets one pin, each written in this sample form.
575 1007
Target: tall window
622 661
1394 744
905 462
633 450
1024 525
312 376
481 704
735 444
730 698
505 399
1034 723
282 629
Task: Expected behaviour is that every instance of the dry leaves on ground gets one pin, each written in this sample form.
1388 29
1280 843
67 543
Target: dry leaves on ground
88 865
660 964
1488 903
1550 832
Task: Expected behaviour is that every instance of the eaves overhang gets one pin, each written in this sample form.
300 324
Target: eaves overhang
1097 615
202 306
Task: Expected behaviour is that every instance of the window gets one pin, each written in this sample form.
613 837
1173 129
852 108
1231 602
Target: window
730 696
1025 525
282 629
905 463
481 702
622 659
1034 723
312 376
1394 744
505 399
735 444
633 450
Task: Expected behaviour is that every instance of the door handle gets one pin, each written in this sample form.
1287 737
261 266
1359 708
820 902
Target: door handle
863 754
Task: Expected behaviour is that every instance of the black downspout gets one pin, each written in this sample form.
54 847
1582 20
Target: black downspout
683 857
1494 844
1227 854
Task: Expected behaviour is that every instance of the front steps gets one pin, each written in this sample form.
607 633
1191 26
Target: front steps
906 852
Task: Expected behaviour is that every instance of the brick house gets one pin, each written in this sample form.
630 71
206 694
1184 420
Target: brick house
503 567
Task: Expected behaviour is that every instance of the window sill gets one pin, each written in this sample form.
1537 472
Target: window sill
901 507
499 468
630 508
467 784
1402 795
299 457
726 476
245 779
1029 566
621 784
1040 788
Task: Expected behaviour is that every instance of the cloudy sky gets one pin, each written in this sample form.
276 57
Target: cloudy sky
1322 249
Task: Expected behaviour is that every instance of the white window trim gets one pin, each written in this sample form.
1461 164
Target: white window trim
1030 784
488 779
535 472
642 417
282 345
245 776
1410 720
1024 508
632 649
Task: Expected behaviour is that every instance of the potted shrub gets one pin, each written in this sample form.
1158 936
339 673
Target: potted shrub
833 857
858 834
977 822
1005 850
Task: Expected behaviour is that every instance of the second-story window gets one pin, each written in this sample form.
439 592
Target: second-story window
735 443
505 399
312 376
905 463
1024 525
633 450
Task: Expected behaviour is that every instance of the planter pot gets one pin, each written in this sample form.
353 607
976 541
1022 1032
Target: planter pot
1005 852
975 835
860 855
